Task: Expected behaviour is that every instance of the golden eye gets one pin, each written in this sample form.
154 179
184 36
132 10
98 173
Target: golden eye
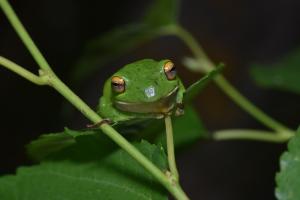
170 70
118 84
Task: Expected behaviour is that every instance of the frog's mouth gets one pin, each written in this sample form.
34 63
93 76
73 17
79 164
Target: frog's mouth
161 106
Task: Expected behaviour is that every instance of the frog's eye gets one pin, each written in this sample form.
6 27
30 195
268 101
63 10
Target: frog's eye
170 70
118 84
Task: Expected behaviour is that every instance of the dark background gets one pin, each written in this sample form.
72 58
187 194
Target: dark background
236 32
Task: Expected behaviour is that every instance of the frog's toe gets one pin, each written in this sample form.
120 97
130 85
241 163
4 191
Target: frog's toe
160 116
98 124
179 109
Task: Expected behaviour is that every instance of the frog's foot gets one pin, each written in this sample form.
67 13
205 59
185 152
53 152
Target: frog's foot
179 109
103 121
160 116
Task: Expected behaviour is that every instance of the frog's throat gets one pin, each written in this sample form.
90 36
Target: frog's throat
161 106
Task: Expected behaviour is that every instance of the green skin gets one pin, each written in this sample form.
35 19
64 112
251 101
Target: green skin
148 93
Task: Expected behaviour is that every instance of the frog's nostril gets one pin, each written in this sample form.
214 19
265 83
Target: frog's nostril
150 91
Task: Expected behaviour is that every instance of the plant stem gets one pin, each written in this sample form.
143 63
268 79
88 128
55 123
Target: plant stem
23 34
239 134
206 65
170 147
249 107
22 72
51 79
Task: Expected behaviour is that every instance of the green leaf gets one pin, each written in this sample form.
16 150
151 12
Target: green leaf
119 41
114 176
193 90
108 47
162 13
283 75
8 187
50 143
288 179
187 129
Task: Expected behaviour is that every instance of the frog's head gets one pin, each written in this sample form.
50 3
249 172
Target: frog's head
145 86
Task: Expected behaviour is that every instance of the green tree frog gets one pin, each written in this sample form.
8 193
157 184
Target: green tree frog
142 89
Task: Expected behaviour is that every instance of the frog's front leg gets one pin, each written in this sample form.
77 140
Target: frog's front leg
110 113
179 100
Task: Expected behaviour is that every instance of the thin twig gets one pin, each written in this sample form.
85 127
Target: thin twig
205 64
59 86
170 147
259 135
22 72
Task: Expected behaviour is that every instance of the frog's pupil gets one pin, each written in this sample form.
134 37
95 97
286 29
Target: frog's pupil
171 73
118 87
116 84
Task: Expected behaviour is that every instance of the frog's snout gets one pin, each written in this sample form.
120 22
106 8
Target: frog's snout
162 105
